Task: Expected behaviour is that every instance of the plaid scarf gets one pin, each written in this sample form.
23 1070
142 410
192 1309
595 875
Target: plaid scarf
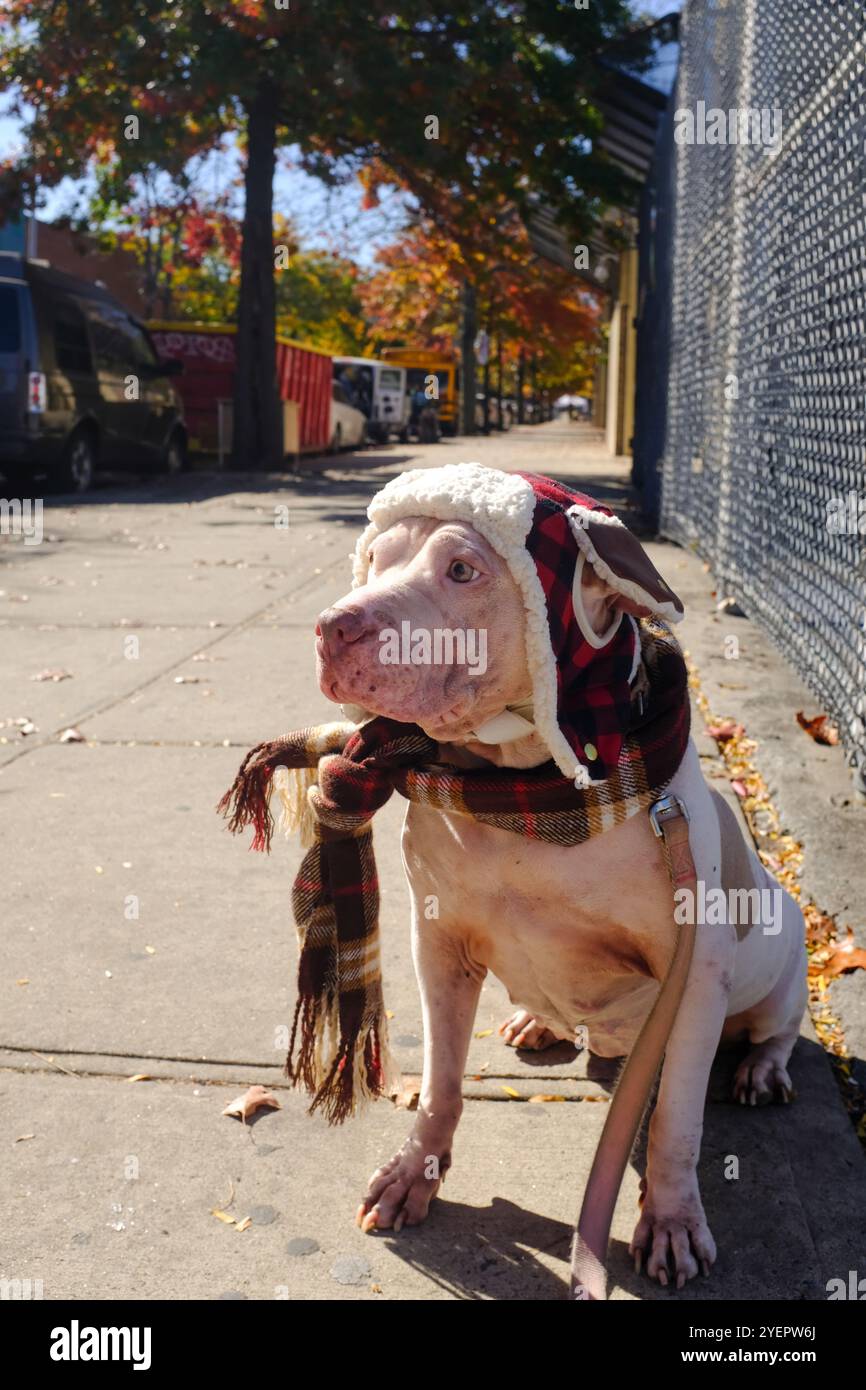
332 779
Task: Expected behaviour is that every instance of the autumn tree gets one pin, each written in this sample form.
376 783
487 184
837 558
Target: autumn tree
482 98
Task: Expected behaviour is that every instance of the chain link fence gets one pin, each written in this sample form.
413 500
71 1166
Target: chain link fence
761 440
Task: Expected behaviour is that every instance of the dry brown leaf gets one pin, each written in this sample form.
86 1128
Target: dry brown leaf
224 1217
841 956
22 1137
244 1225
725 729
139 1076
819 728
251 1101
538 1099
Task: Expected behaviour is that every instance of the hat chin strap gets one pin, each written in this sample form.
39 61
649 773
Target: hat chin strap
513 723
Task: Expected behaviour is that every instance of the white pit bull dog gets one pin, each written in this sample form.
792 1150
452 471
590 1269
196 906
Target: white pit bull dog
581 936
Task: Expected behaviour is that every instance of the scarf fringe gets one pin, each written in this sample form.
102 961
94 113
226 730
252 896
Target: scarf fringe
293 786
341 1073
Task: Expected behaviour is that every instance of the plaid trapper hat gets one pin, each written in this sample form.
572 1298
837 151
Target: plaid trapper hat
546 533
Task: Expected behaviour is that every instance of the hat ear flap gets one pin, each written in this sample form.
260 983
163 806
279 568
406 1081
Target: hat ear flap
620 561
598 608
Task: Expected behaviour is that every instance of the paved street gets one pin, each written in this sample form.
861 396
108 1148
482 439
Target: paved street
141 940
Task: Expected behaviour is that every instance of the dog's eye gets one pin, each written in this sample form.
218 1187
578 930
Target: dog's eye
461 572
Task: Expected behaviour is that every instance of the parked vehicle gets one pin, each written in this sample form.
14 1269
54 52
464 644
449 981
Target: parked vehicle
348 424
208 352
81 384
420 366
379 390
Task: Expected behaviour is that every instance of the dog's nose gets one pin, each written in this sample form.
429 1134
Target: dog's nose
342 625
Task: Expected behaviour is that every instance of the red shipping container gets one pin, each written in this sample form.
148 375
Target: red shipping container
207 351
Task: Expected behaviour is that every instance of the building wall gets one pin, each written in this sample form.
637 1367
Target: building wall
622 358
77 254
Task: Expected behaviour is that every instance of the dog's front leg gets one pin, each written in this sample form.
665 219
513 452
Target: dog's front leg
672 1231
400 1192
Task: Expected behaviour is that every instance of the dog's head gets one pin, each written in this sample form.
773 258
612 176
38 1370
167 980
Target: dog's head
468 602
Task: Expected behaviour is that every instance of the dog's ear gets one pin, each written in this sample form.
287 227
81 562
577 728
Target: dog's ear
614 575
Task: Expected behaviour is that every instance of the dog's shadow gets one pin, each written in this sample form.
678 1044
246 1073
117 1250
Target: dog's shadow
488 1253
765 1175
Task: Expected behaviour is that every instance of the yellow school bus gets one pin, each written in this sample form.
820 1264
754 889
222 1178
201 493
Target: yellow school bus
421 363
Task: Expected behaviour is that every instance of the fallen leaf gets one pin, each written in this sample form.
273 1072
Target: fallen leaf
139 1076
841 956
539 1099
485 1033
55 673
72 735
509 1091
22 1137
819 728
739 788
725 729
224 1217
187 680
251 1101
22 982
244 1225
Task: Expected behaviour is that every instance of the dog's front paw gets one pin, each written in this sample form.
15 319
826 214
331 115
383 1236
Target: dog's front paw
672 1234
400 1192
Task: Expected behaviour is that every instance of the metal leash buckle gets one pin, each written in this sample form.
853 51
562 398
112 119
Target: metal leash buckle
658 808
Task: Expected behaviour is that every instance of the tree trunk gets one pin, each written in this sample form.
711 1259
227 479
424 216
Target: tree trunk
533 381
499 423
467 359
521 378
487 383
257 439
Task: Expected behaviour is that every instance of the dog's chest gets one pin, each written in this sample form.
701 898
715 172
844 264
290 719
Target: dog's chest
569 931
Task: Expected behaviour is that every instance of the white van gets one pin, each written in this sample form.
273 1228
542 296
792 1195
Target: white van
379 390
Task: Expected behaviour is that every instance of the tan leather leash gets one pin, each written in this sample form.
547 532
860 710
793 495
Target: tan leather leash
670 821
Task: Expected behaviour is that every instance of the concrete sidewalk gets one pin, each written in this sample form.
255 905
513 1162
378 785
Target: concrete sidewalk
141 939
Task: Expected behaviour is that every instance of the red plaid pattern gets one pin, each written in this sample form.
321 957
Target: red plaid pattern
593 693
